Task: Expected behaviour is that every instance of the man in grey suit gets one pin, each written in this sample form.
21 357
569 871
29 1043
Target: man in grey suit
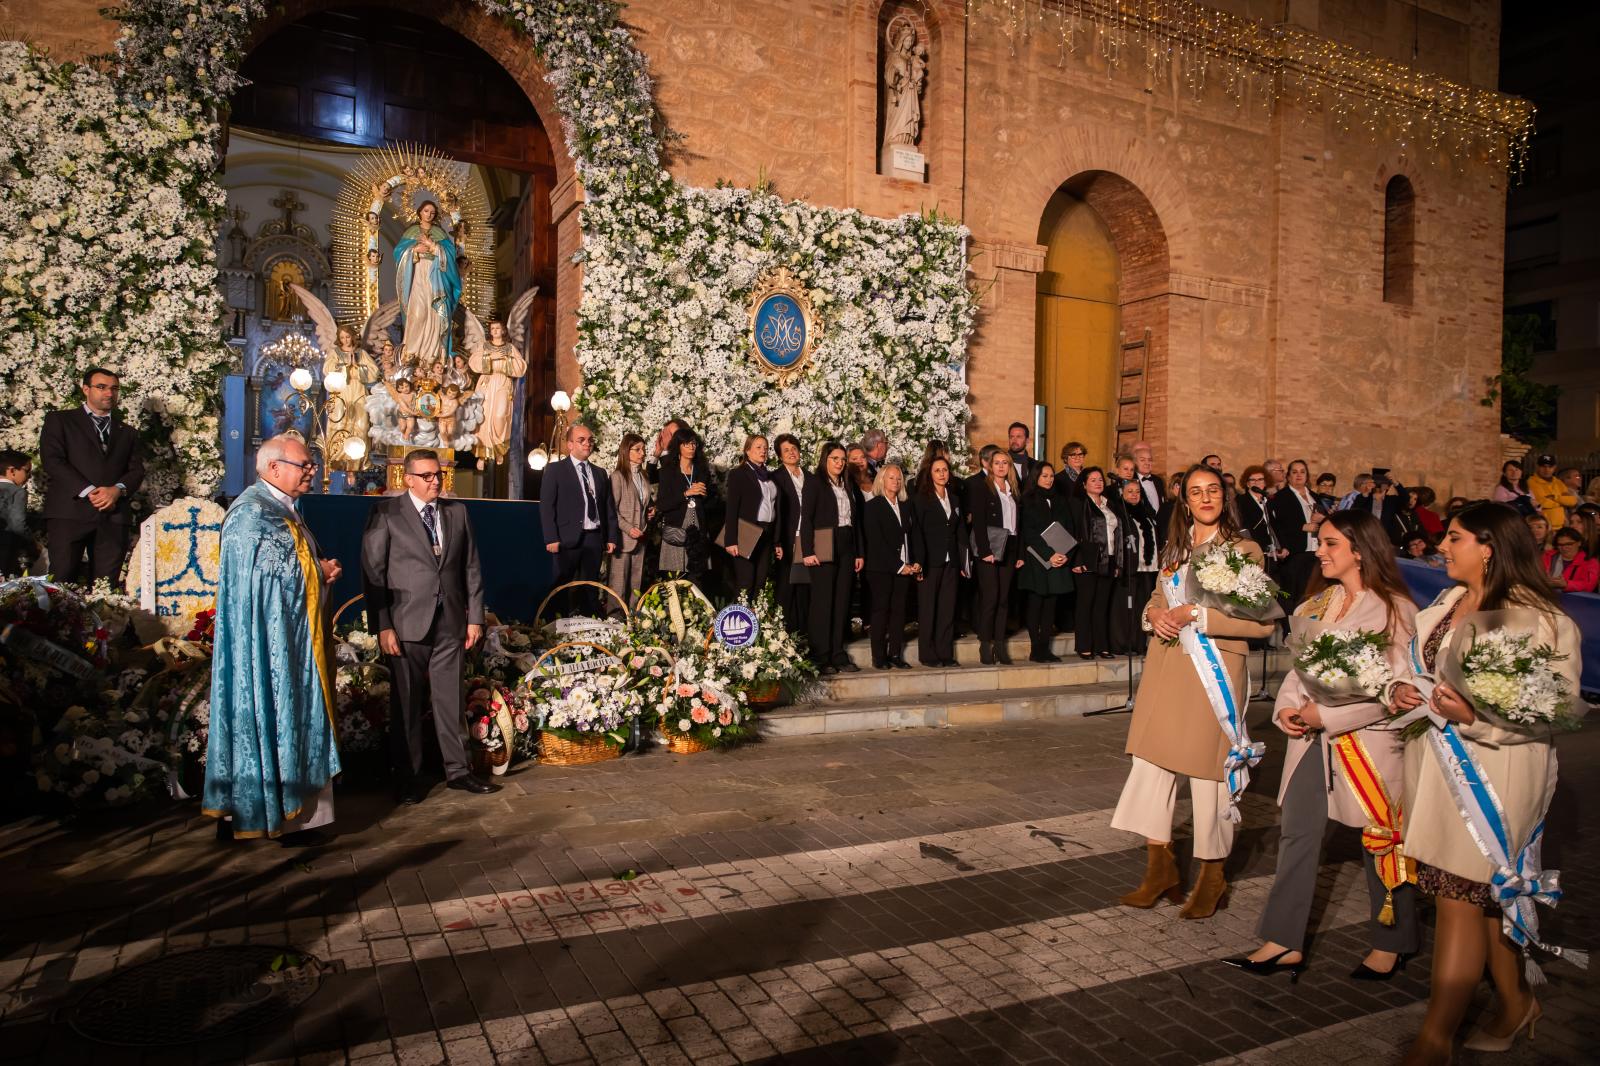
424 594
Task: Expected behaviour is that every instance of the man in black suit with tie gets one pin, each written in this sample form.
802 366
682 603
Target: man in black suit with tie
419 566
579 516
93 465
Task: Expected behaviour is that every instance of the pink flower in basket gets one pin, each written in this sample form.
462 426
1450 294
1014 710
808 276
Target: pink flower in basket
710 697
521 722
700 715
480 729
655 671
685 690
725 717
479 694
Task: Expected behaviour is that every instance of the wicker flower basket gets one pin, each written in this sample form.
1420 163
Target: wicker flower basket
764 694
559 751
683 743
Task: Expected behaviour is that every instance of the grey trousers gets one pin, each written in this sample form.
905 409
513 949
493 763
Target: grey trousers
1288 910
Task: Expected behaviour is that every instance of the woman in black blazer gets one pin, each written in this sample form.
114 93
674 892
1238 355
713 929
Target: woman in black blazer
1138 565
1046 573
753 499
1296 515
994 509
794 581
830 508
1094 564
938 548
683 504
889 568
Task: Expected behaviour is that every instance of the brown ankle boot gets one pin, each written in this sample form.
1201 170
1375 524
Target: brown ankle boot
1210 891
1160 879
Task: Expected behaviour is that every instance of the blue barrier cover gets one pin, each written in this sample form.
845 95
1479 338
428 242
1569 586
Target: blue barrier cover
1426 582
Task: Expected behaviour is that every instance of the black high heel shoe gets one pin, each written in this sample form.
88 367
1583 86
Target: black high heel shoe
1268 967
1363 972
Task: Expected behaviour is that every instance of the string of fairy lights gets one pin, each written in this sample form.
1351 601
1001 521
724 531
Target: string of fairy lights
1197 48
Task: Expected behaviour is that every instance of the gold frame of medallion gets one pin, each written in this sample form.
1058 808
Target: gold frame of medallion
780 281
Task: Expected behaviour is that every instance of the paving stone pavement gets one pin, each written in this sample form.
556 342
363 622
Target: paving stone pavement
920 896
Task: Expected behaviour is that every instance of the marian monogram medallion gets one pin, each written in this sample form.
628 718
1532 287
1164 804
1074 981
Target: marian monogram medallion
783 326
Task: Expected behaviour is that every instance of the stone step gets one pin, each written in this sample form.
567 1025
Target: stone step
950 709
966 648
935 681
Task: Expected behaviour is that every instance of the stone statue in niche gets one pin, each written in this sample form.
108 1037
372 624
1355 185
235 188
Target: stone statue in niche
905 75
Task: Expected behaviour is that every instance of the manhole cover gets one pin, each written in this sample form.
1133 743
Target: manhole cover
198 995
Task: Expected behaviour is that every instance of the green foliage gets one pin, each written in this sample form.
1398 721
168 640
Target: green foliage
1527 407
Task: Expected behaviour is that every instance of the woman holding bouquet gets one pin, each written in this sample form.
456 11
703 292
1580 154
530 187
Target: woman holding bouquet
1337 764
1188 717
1488 552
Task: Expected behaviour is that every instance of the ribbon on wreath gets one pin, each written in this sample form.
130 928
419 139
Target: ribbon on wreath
1202 652
1381 838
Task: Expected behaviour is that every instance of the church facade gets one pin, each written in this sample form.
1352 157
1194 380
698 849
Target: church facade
1266 264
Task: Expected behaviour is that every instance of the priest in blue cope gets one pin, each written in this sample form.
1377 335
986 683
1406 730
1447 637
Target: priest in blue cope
272 753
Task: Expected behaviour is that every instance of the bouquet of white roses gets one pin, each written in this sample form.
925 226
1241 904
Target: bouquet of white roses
1235 584
599 703
1338 666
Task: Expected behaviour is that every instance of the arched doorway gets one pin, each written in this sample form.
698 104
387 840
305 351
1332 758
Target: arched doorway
327 84
1100 319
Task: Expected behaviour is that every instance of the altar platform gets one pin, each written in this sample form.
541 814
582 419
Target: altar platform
517 570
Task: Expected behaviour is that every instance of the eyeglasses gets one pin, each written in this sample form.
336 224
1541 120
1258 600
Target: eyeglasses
307 465
582 440
432 475
1205 491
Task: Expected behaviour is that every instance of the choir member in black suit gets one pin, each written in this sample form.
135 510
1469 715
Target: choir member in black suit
887 523
1045 572
794 581
938 547
752 501
1255 515
93 465
1296 515
994 509
1094 564
683 504
828 513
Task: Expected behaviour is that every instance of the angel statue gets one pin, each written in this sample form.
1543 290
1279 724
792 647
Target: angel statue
345 350
429 286
499 364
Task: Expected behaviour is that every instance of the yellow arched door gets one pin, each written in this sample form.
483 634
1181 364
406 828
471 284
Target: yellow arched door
1076 364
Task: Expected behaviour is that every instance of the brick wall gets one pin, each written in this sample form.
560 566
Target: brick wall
1251 244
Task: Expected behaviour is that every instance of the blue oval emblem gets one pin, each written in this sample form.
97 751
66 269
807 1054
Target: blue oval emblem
736 626
780 331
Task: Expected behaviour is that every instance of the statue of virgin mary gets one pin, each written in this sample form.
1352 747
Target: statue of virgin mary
428 286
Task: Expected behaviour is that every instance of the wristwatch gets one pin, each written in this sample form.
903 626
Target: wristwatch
1194 614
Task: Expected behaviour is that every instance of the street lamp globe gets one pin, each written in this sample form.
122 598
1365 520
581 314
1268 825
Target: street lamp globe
560 403
538 459
300 379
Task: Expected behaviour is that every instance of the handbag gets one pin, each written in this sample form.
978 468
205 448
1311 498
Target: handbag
677 536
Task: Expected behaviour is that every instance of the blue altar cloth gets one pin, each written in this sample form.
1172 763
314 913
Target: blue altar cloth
1426 582
517 570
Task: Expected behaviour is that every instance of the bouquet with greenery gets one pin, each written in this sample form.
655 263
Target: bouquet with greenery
703 700
1228 580
1338 666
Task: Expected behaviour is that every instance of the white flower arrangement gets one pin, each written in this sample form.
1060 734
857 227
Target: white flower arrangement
1236 584
775 658
594 704
1344 666
703 700
1510 676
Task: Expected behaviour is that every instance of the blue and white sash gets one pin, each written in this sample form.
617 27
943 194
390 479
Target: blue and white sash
1202 652
1519 882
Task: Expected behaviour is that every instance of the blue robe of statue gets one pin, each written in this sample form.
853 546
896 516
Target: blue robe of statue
440 297
272 745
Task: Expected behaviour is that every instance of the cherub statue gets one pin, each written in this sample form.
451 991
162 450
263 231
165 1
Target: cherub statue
449 404
406 403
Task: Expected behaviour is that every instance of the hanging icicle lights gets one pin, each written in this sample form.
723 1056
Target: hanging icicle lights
1254 64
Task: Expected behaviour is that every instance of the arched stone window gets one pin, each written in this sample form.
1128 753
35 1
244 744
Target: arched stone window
1399 240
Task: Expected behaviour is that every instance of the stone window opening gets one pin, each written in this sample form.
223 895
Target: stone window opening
1399 240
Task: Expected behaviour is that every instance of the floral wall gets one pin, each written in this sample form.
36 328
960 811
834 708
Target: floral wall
110 190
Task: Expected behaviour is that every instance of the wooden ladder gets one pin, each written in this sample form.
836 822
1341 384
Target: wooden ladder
1130 392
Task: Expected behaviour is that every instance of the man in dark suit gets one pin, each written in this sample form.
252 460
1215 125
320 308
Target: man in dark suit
93 466
1150 482
1022 460
579 517
419 565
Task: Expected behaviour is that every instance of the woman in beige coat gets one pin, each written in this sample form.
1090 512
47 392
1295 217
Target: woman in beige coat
1488 551
1174 729
1357 587
631 492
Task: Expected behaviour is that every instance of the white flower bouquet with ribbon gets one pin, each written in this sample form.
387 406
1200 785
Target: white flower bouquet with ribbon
1501 671
1226 579
1339 666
